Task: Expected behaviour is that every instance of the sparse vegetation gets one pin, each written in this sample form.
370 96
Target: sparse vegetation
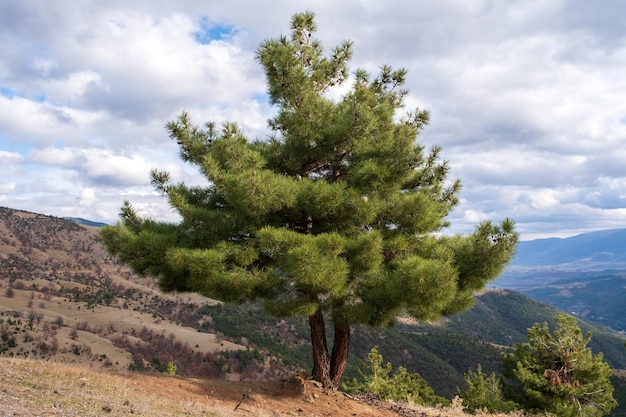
441 352
9 293
484 393
400 385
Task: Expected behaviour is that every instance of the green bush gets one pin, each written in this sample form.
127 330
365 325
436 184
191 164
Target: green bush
170 370
399 386
484 393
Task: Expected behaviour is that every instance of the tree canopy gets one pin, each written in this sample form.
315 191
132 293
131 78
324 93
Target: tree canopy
339 215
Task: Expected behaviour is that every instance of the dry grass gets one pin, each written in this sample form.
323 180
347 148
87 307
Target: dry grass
32 388
36 388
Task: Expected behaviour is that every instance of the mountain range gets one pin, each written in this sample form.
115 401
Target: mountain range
584 275
85 222
605 249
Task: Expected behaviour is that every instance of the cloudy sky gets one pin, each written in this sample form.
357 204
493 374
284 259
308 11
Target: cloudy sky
527 97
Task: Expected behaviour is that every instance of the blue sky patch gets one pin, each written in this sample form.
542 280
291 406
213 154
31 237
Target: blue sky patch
13 144
7 92
210 31
263 98
11 93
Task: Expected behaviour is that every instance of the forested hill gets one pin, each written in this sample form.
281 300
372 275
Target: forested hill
499 319
502 317
85 222
72 302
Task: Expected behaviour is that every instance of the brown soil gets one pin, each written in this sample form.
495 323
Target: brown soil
34 388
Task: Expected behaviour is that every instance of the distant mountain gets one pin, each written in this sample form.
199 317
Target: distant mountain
85 222
584 275
604 249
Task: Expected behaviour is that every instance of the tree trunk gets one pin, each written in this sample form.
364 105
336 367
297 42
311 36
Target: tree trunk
339 357
321 361
329 370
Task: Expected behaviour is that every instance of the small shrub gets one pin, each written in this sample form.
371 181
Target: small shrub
170 370
11 342
484 393
32 316
400 386
137 365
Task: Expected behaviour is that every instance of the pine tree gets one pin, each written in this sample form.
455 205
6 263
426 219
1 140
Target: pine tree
484 392
558 373
335 217
400 386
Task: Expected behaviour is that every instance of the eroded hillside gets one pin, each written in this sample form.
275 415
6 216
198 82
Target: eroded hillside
62 297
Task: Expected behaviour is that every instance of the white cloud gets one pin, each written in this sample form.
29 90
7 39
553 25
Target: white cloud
70 89
43 66
529 111
24 120
96 166
55 156
146 64
87 197
7 187
102 167
10 157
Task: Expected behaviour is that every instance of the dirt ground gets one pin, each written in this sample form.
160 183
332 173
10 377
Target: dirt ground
32 388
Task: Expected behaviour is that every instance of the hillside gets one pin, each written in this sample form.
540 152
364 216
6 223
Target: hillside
62 296
46 389
596 296
64 300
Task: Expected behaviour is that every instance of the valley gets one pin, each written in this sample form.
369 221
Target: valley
584 275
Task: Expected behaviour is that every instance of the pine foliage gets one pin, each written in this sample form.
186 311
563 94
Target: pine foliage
484 392
399 385
558 373
339 211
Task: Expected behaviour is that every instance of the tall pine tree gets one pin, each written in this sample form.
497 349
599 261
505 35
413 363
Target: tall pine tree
334 217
